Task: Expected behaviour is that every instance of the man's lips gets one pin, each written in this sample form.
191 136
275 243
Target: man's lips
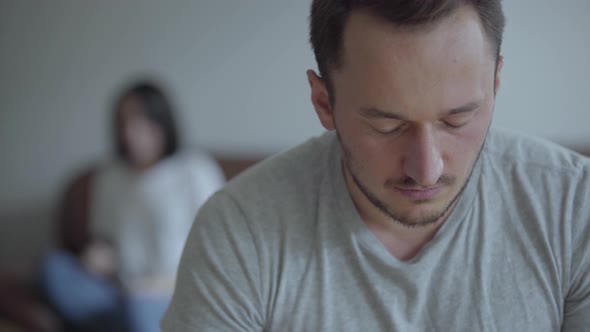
419 194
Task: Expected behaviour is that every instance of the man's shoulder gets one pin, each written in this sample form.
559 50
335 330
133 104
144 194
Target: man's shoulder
515 150
287 175
270 195
536 177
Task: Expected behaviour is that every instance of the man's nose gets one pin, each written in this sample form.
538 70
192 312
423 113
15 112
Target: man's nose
423 159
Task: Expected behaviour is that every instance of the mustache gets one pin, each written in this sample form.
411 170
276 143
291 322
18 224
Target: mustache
409 183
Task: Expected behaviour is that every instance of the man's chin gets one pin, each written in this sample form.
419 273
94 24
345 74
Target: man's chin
422 219
417 213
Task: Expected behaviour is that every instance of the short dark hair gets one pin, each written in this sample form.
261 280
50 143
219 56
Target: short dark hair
156 107
328 19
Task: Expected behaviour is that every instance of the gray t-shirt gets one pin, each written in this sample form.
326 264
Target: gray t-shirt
282 248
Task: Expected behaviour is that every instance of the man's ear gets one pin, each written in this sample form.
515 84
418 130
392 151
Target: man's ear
498 71
320 98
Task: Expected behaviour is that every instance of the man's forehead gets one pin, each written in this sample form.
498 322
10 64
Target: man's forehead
367 36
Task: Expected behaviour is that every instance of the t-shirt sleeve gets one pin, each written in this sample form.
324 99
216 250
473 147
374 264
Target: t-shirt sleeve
206 176
577 304
218 282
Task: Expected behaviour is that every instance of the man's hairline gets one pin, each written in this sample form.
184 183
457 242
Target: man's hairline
331 67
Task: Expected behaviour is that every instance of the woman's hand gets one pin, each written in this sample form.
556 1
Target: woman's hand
100 259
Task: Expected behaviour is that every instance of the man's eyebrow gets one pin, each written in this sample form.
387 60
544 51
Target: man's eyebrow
376 113
464 109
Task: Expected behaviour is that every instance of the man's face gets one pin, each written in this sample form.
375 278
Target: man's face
411 109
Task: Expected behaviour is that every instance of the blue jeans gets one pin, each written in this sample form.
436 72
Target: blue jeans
90 303
144 313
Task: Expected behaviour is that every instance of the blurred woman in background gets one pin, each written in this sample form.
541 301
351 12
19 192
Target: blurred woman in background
124 225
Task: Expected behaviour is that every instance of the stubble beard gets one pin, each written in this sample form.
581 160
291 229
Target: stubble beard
386 210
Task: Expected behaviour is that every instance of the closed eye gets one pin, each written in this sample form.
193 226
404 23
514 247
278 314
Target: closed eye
453 125
458 120
387 128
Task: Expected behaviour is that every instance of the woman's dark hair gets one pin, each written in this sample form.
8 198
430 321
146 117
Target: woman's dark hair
156 107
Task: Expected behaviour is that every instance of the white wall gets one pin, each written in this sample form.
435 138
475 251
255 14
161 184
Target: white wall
237 70
546 78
